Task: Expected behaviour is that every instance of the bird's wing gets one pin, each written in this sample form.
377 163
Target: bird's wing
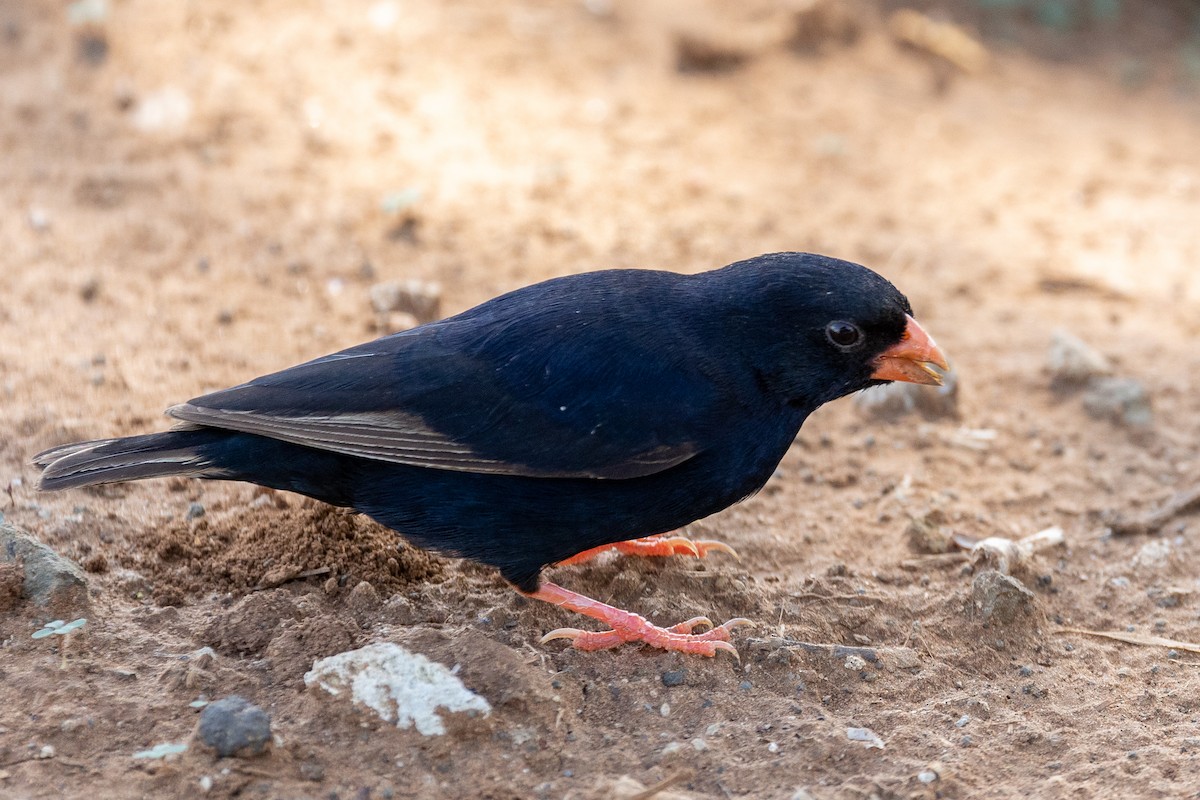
475 400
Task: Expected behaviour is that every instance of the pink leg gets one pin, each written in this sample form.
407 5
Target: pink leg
655 546
629 627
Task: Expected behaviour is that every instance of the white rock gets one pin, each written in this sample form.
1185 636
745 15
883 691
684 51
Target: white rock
870 737
400 686
1153 553
167 109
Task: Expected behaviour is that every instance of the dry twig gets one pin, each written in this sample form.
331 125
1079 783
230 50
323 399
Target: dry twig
1137 638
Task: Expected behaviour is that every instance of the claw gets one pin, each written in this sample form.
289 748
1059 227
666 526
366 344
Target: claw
726 647
737 622
561 633
679 545
627 627
691 625
706 546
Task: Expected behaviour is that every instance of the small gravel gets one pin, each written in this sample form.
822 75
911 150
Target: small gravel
675 677
233 726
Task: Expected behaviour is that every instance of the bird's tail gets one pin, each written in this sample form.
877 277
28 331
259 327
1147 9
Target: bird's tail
157 455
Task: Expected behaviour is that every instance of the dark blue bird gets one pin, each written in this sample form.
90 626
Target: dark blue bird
576 414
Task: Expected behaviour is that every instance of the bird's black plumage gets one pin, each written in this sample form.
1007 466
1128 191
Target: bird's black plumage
563 416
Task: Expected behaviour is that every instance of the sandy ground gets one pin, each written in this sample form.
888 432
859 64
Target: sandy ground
192 194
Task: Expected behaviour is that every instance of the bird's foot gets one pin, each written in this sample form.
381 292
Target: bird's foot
656 546
629 627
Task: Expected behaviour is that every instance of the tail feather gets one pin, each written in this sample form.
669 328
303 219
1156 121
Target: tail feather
155 455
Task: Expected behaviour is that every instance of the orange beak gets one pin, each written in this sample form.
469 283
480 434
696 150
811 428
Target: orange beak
912 359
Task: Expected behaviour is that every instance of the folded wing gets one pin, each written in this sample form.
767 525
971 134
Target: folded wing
463 396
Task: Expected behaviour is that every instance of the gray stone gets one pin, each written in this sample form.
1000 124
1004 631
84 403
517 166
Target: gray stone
233 726
49 580
422 299
674 677
1072 363
1121 400
930 532
1000 598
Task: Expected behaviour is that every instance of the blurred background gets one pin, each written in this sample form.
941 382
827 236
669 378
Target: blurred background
169 165
194 193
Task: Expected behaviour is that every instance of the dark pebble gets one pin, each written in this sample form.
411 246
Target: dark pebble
674 677
233 726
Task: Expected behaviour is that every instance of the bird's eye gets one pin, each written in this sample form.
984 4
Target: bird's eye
843 334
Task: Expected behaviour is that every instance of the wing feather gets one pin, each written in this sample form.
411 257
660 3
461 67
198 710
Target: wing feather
519 386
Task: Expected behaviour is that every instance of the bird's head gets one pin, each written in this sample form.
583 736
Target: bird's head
826 328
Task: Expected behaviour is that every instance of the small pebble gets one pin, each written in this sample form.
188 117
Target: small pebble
773 747
162 110
1000 598
927 776
422 299
1154 553
962 721
665 710
855 662
39 219
699 745
89 290
1072 363
233 726
1121 400
865 735
930 533
674 677
49 579
195 511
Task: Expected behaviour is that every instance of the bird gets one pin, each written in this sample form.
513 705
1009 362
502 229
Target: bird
593 412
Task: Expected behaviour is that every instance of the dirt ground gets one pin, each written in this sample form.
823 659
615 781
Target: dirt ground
192 194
